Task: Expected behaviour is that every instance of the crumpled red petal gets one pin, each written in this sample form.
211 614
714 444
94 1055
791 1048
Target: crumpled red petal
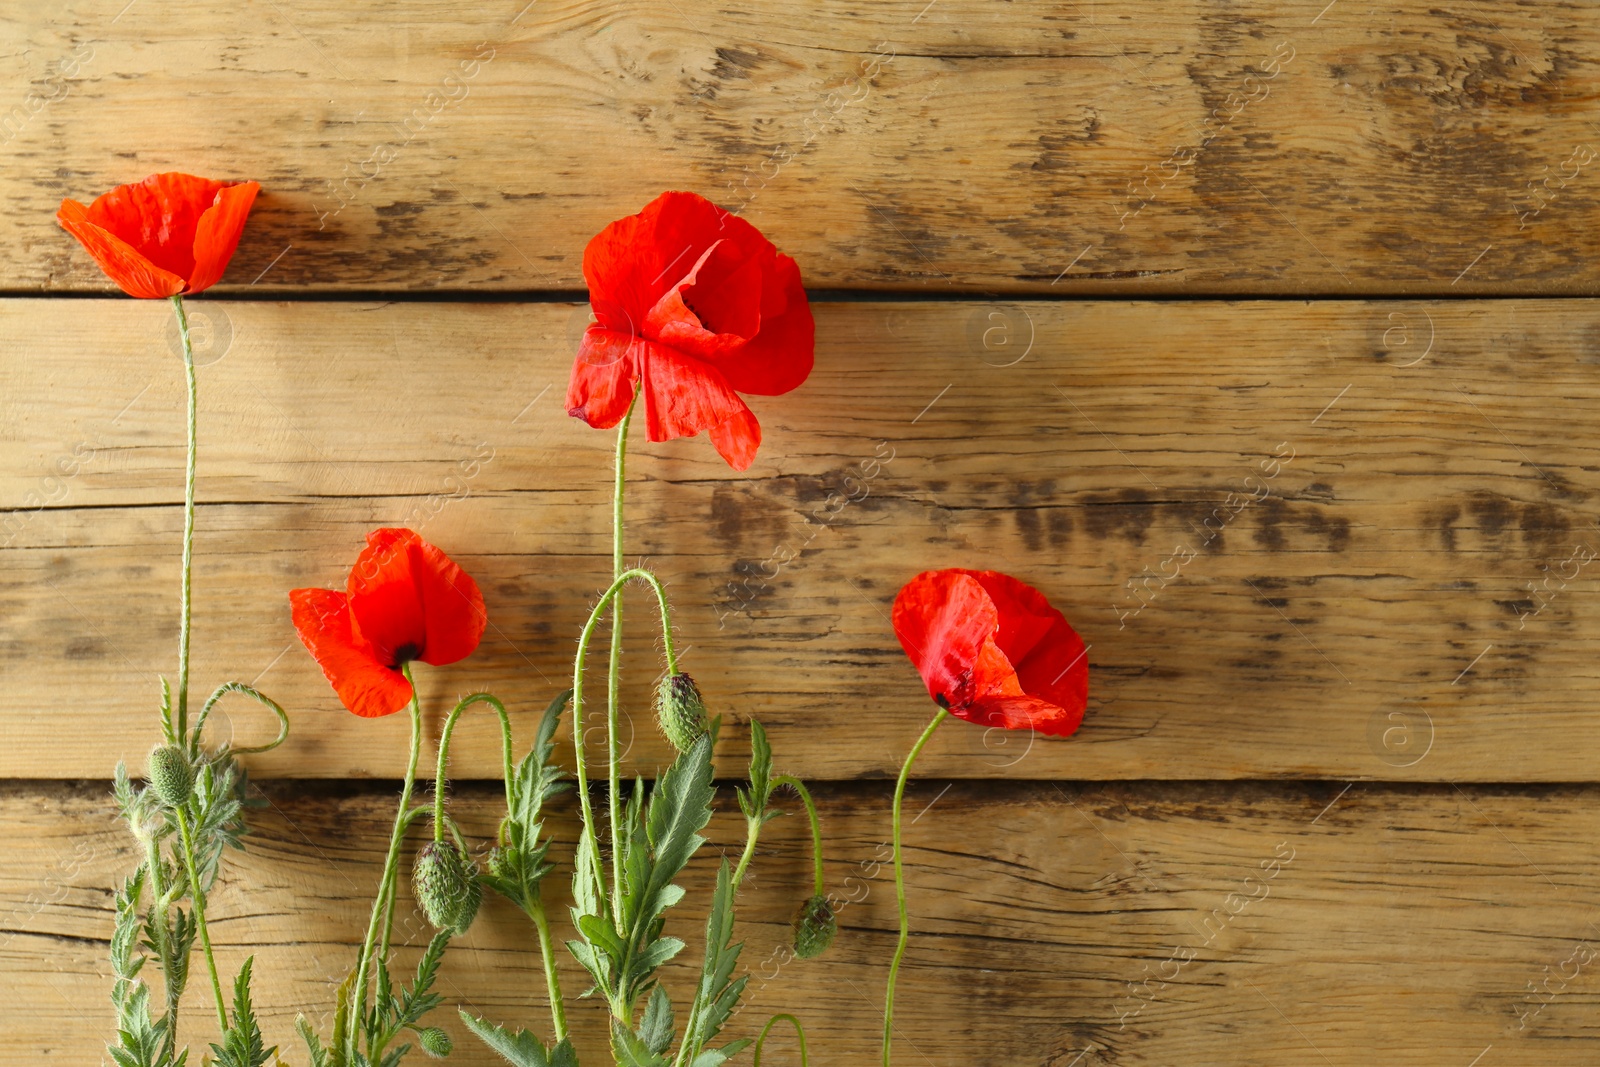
683 396
122 263
722 313
365 685
411 601
603 377
217 235
993 650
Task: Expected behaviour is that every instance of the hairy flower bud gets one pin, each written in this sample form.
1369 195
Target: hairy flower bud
680 711
170 775
446 883
814 928
500 862
434 1041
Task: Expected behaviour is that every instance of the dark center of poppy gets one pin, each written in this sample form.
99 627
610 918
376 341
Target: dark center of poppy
705 323
943 701
405 654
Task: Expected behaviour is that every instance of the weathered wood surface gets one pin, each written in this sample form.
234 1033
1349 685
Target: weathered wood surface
1360 532
1291 923
959 144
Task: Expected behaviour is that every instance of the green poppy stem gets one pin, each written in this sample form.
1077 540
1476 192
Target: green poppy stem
900 880
187 595
614 667
198 895
439 781
798 1032
382 911
816 827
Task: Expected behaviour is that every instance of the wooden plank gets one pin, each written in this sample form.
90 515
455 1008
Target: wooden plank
1290 923
1410 589
1089 148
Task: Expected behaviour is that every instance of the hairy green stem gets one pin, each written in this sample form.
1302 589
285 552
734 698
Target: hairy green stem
188 522
900 879
588 839
798 1032
391 863
199 897
614 667
547 953
406 821
444 755
816 827
157 894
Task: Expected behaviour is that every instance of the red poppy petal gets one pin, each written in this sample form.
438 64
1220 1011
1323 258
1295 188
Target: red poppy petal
365 686
385 598
123 264
217 233
683 396
1025 615
603 377
452 606
943 620
1049 655
1057 670
673 322
781 354
1025 713
737 437
159 217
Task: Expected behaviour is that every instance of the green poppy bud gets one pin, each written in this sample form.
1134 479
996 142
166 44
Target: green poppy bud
435 1042
500 862
446 883
170 775
814 928
680 711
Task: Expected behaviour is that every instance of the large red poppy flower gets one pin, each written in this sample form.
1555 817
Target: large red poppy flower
405 601
169 234
692 307
993 651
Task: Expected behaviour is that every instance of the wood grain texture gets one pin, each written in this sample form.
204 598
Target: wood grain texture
1336 539
1083 148
1291 923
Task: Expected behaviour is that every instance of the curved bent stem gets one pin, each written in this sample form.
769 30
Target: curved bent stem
239 687
590 842
798 1032
382 905
188 522
444 755
900 880
816 827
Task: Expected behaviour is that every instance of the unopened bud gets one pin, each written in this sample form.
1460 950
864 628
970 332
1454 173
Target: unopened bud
500 864
814 928
680 711
446 883
170 775
435 1042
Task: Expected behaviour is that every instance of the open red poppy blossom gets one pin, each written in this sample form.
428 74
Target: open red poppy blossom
405 601
993 651
169 234
692 307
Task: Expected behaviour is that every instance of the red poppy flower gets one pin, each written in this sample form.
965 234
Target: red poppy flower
169 234
692 307
993 651
405 601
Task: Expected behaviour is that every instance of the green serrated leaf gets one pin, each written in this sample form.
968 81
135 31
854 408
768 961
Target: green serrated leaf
631 1050
655 1028
241 1042
521 1049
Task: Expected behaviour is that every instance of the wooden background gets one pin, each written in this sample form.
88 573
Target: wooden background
1081 272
